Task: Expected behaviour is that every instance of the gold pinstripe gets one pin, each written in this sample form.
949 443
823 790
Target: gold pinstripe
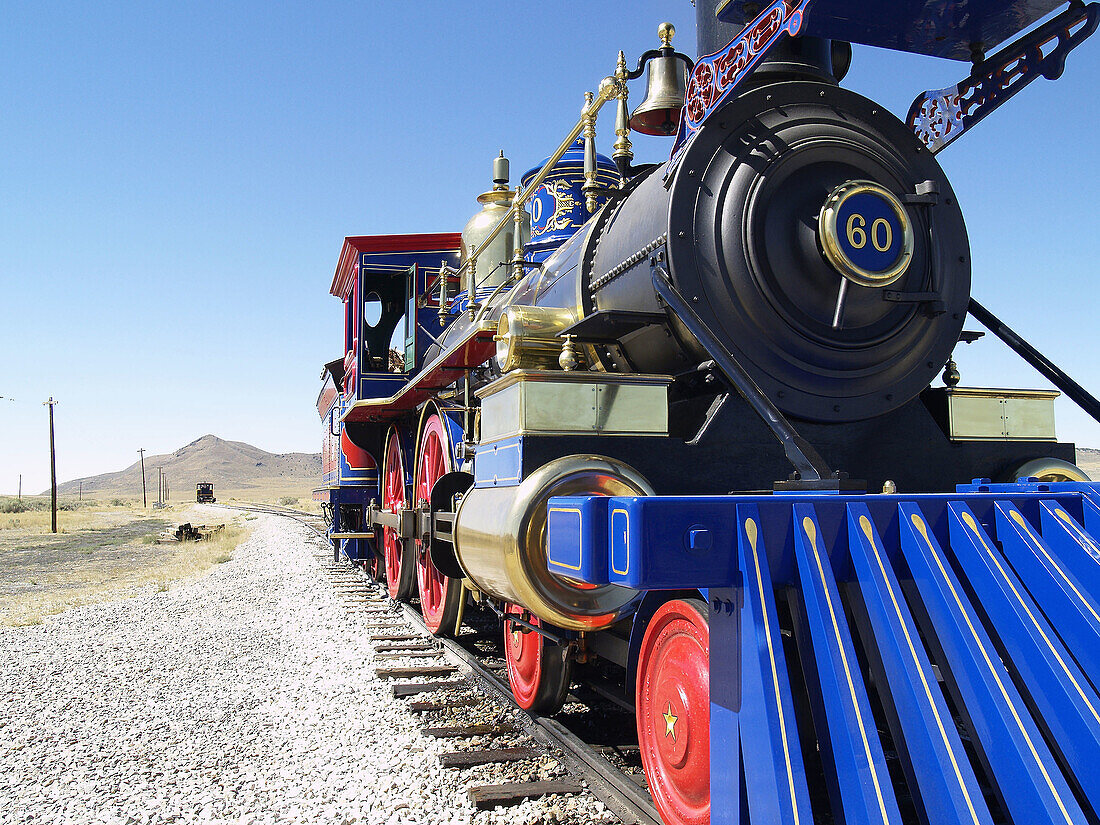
751 532
865 524
918 522
811 534
969 519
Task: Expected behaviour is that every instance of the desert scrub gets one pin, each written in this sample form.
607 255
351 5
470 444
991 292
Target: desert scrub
103 570
287 501
14 505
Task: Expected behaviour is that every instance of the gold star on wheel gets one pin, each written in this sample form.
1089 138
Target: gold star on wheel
670 722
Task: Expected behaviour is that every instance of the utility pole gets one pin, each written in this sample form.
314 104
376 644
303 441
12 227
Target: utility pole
160 487
80 492
53 470
144 499
20 486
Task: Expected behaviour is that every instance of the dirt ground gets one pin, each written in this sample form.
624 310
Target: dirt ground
100 553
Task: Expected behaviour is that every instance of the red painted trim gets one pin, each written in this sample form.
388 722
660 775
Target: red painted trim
354 245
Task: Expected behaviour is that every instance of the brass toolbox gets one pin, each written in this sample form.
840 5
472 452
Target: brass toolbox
984 414
551 402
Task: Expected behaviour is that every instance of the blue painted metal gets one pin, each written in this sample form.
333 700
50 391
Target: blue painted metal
558 207
1028 778
1068 704
943 28
965 620
579 527
938 764
774 773
1072 545
1072 610
499 463
694 549
849 737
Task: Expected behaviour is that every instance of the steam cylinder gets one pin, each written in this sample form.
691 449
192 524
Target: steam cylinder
500 540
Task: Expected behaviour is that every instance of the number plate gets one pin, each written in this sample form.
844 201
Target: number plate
866 234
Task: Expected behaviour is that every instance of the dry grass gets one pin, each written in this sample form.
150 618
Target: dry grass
103 553
299 497
81 516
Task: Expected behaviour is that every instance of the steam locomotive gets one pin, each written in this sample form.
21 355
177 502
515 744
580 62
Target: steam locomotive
680 418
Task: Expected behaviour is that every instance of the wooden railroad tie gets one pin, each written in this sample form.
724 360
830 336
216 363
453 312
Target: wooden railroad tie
444 704
394 637
389 647
403 691
487 797
413 672
469 759
410 654
456 732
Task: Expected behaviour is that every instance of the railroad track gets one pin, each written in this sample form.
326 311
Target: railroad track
440 685
610 772
313 521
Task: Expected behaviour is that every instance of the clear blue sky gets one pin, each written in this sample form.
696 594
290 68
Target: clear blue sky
176 180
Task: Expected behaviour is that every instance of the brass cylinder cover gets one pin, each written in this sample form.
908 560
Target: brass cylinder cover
500 539
1049 470
527 337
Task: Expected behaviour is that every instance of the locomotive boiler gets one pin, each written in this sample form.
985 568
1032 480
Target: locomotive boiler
683 418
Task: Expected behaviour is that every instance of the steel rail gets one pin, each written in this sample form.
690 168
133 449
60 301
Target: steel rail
301 516
611 786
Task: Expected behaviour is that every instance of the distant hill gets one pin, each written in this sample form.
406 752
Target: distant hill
230 465
1088 460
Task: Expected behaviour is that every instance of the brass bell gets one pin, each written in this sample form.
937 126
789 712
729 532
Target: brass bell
665 91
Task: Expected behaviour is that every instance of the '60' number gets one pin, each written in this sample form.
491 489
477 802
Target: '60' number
882 234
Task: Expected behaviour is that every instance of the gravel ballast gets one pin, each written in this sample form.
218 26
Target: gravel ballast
246 696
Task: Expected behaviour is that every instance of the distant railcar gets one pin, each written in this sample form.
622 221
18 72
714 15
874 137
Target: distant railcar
204 492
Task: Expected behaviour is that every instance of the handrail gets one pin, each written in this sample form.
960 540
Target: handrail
611 88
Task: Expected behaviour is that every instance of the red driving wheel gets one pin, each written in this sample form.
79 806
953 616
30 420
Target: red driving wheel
672 701
374 566
399 572
440 595
538 669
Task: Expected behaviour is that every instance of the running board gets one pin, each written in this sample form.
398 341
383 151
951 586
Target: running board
474 348
876 658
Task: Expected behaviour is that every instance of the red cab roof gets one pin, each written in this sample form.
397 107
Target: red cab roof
356 245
